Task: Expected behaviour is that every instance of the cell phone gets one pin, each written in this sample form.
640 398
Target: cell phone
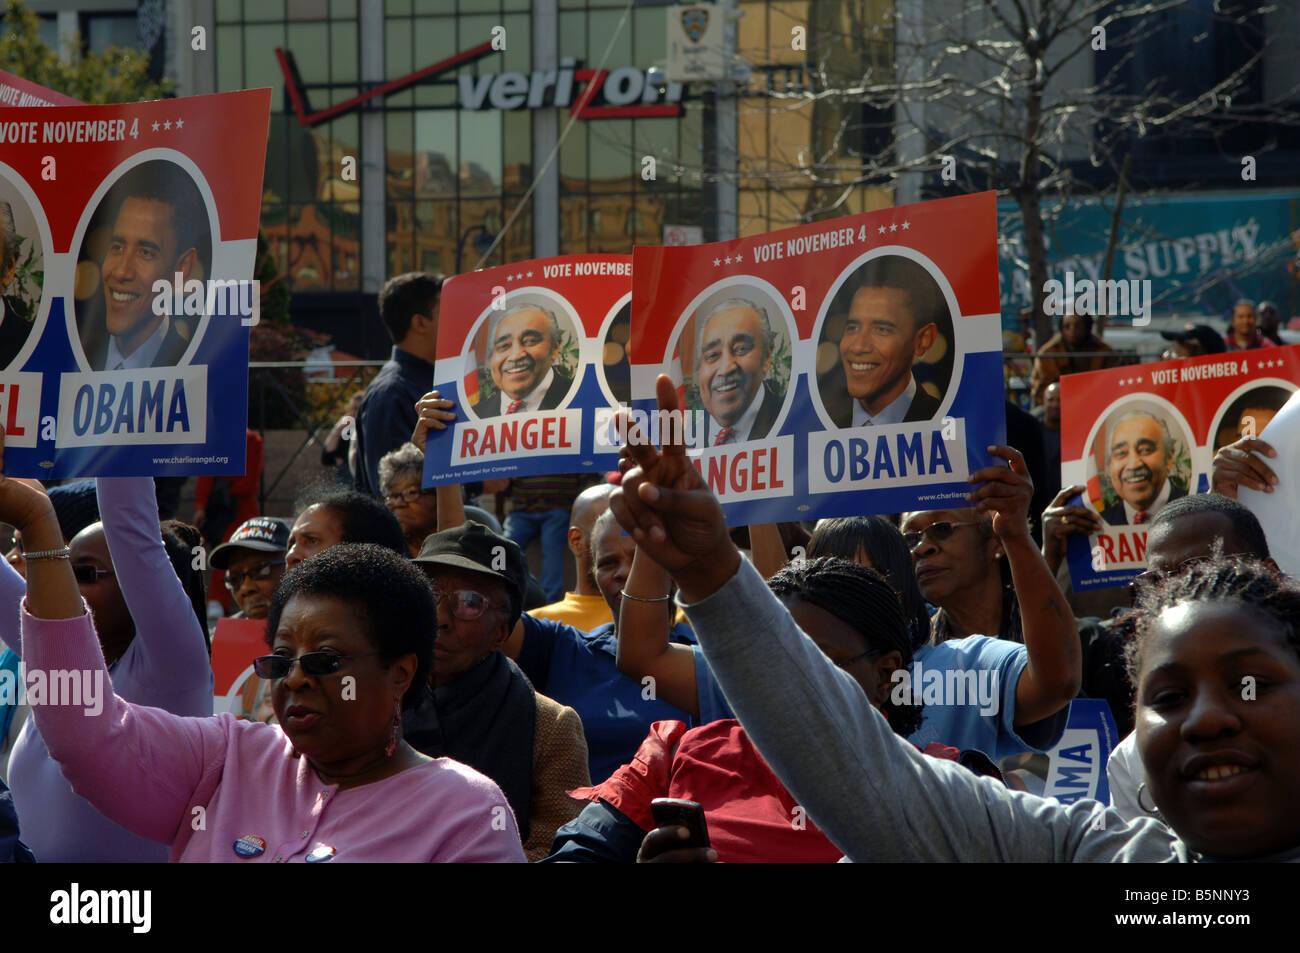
672 811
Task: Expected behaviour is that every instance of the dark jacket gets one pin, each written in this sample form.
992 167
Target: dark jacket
1114 514
387 415
14 330
768 410
94 341
491 407
839 404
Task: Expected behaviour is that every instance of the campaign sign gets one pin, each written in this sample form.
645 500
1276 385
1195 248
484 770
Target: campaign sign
131 297
534 354
16 91
1140 436
1076 768
846 367
238 690
1279 512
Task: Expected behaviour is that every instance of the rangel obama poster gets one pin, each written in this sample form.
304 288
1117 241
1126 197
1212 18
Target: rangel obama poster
1141 436
534 355
127 293
850 366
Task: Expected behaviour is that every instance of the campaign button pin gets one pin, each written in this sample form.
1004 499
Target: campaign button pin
250 845
321 853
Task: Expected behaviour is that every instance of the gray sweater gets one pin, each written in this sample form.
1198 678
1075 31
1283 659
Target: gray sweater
874 795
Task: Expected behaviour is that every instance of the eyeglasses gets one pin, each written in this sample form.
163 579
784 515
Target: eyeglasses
936 532
859 658
408 496
235 579
87 573
1153 577
466 604
274 667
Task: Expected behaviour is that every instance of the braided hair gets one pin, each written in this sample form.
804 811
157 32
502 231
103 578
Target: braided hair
883 544
180 540
860 598
1222 578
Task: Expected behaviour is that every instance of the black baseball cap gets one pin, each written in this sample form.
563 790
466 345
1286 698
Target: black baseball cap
475 547
265 534
1211 341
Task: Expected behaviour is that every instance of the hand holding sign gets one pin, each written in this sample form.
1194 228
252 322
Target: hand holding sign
1062 519
23 504
1236 465
1005 492
432 411
669 511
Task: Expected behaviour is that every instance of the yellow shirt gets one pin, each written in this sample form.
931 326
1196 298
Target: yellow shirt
582 612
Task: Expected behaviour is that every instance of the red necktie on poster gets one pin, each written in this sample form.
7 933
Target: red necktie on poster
724 435
1140 517
514 406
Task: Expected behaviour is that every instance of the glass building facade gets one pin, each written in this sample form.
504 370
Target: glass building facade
453 174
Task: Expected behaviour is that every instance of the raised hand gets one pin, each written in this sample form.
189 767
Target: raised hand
1236 465
1005 492
666 507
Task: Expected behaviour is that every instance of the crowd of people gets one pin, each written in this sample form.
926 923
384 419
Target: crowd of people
431 700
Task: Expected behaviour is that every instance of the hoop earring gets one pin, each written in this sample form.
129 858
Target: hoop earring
394 730
1152 810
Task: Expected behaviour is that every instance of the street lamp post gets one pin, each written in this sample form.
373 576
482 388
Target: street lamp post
481 244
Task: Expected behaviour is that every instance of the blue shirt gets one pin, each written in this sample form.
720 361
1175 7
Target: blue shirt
577 669
996 665
960 726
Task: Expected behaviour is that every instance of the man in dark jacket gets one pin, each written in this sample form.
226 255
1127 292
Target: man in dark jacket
408 306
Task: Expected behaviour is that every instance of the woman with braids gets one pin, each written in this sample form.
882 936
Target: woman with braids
854 617
1216 663
876 542
148 604
996 695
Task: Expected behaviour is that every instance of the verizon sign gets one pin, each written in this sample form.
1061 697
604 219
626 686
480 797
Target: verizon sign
623 93
586 93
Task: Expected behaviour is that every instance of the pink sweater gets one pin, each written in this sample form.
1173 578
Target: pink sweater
201 785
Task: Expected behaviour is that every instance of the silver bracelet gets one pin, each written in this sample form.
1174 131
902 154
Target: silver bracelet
629 595
64 553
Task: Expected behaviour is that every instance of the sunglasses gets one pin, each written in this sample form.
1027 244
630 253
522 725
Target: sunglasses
235 579
408 496
272 667
88 574
466 604
1153 577
936 532
873 653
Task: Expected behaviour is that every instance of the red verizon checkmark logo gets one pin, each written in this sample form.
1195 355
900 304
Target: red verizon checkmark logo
601 94
298 95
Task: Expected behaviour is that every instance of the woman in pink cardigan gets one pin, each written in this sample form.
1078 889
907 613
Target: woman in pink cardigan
354 628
